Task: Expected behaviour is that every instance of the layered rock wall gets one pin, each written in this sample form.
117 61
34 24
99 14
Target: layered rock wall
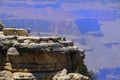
39 58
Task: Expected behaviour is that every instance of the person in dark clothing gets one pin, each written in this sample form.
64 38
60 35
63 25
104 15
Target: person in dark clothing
28 31
64 39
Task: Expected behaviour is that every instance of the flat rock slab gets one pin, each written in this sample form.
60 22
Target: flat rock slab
23 76
14 31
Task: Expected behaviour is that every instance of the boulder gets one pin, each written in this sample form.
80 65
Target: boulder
23 76
1 33
66 43
12 51
62 75
77 76
5 75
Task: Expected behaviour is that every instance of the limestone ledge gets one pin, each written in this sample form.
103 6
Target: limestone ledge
40 56
37 44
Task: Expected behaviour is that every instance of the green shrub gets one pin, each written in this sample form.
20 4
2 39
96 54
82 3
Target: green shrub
82 69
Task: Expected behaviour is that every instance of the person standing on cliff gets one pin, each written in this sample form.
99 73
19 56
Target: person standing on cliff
28 31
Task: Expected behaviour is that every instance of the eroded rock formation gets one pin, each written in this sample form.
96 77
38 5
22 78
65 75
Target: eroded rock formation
35 58
63 75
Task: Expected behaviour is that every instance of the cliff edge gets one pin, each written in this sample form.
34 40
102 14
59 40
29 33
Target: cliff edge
24 57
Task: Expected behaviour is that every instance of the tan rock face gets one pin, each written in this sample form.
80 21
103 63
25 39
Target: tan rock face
14 31
37 62
40 56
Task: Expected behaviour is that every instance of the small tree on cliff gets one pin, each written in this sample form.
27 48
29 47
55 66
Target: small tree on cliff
91 75
82 69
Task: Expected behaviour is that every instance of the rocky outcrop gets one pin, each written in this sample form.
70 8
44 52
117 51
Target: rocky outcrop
63 75
39 58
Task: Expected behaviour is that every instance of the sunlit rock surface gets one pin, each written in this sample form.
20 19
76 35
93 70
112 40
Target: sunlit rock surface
63 75
36 58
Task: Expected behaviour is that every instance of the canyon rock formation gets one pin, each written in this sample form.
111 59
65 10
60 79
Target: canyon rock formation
24 57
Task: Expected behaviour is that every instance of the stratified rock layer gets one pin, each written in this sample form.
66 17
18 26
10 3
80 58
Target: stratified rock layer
39 58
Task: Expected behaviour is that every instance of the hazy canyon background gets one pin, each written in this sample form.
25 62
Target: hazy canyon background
92 24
